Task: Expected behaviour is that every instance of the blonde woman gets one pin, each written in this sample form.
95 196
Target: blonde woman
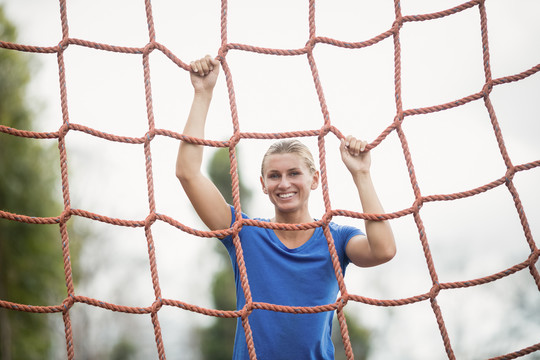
284 267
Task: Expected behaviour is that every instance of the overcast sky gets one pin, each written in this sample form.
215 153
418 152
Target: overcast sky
452 151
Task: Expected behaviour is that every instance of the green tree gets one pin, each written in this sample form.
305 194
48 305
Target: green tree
124 349
31 264
359 335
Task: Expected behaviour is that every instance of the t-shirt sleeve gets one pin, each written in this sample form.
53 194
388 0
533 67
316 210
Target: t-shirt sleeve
344 234
227 240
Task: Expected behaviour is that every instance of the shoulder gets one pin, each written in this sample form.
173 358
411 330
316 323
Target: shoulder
253 229
341 235
344 231
233 215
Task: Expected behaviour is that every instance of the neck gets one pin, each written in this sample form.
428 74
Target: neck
293 238
292 218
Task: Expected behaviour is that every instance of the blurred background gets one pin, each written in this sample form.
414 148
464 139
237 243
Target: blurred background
452 151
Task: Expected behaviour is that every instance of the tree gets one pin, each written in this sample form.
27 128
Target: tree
359 335
31 263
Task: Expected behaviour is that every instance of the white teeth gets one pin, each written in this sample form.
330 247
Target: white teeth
284 196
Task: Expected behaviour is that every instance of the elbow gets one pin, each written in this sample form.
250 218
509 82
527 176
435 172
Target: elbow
389 254
386 254
180 173
188 178
183 173
186 168
390 250
184 178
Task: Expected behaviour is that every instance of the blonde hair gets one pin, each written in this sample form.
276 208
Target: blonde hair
290 146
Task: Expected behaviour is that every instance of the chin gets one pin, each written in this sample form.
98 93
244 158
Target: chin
288 208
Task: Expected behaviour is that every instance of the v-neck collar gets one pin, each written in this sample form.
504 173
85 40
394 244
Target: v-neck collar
305 245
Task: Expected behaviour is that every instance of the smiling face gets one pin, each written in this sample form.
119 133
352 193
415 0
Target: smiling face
288 182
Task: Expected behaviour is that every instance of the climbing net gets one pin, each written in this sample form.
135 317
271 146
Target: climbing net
327 128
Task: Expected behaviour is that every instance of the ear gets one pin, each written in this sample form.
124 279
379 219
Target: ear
263 186
315 182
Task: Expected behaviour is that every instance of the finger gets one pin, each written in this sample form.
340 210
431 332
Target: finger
209 61
354 146
343 145
348 140
214 62
357 148
363 145
204 66
196 67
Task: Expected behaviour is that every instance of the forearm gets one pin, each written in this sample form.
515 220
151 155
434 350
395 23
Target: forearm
190 156
379 233
201 191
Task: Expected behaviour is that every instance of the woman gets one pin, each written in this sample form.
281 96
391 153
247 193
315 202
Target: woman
284 267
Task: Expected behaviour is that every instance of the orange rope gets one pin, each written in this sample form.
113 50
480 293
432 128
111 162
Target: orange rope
307 50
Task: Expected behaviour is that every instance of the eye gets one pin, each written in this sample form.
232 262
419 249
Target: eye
273 176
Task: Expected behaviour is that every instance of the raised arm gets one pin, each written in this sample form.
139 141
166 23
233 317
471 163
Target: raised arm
203 194
378 246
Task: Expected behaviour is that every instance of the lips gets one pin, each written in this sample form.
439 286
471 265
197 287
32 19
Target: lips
286 195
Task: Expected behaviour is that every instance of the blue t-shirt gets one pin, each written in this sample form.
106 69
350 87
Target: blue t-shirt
303 276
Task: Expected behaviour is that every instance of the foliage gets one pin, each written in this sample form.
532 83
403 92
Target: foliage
124 349
360 339
219 173
31 264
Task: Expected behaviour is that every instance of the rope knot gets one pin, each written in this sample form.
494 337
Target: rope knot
418 203
435 289
150 219
396 26
509 176
222 52
325 130
156 305
310 44
63 45
342 301
62 132
535 255
150 135
237 226
327 218
149 47
65 216
488 86
533 258
234 140
68 303
398 119
247 310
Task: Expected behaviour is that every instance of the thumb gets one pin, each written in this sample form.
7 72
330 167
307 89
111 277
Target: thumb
213 61
343 147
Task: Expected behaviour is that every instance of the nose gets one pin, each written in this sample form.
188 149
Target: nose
284 183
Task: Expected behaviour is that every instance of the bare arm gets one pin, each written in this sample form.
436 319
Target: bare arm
203 194
378 246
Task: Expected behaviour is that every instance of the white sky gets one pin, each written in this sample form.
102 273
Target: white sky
452 151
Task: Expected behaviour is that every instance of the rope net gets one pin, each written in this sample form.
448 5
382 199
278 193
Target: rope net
327 128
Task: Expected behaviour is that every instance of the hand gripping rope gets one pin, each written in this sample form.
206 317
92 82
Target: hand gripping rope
396 125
